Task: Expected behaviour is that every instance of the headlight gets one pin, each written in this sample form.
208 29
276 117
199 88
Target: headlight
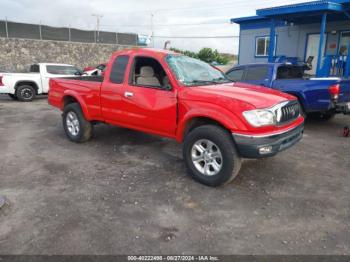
260 117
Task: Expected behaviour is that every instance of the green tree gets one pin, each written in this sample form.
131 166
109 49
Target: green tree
205 54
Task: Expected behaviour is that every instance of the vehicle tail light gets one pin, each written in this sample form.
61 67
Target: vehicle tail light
1 83
334 91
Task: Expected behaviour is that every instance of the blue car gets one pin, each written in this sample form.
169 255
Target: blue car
318 97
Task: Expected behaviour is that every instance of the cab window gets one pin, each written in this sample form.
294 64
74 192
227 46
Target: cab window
148 72
34 68
290 72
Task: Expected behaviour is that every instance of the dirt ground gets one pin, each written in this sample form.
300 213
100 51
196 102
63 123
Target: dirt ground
126 192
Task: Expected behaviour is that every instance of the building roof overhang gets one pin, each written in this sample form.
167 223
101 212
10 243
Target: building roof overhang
302 13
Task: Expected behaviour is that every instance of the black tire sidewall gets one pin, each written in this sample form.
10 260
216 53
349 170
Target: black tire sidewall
226 145
323 116
13 97
77 110
23 99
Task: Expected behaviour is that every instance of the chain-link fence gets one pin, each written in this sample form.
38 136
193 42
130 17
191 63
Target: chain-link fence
42 32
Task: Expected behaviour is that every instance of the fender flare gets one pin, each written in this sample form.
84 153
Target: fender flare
80 100
227 119
301 98
19 83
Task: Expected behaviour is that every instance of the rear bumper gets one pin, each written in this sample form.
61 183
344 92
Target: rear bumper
260 146
343 108
6 90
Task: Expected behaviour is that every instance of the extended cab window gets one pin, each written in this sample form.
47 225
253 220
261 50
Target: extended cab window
118 69
62 70
257 73
235 75
148 72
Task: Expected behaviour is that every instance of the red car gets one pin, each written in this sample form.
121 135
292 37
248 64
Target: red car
171 95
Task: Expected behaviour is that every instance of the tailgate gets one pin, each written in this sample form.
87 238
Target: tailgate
344 95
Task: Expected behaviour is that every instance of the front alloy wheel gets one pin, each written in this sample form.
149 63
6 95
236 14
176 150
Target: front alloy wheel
210 155
206 157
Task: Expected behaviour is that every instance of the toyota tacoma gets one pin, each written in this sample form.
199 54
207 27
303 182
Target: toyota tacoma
160 92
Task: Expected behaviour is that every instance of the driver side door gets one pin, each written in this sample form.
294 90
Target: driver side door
150 107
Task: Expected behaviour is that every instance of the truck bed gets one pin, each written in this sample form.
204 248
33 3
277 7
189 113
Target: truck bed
88 88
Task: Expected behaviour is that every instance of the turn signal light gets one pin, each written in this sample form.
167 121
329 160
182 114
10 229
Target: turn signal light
334 91
1 84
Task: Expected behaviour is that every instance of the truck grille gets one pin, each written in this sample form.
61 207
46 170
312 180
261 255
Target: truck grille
288 112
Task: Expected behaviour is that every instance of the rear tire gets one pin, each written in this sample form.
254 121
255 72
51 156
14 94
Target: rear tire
323 116
25 93
76 127
13 97
210 155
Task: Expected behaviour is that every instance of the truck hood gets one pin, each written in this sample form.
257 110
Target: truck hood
256 96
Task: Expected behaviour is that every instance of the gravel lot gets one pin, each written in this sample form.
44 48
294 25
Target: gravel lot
126 192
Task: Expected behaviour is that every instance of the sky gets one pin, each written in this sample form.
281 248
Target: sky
171 18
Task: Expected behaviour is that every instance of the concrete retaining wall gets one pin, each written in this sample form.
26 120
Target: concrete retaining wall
17 54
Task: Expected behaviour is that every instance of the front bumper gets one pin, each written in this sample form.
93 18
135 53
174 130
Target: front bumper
260 146
343 108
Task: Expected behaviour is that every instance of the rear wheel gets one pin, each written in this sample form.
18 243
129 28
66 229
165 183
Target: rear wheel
25 93
326 116
77 128
13 97
211 156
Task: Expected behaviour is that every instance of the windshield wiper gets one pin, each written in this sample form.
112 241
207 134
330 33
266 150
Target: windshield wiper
199 81
221 80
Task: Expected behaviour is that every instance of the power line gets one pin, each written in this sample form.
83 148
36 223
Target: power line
199 37
194 24
237 3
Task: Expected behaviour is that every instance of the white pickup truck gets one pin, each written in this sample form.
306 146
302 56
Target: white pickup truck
25 86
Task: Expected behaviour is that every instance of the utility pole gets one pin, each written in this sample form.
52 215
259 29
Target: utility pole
41 36
98 17
7 29
152 30
166 44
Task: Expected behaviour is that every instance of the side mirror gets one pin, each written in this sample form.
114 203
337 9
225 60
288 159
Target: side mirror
166 84
168 87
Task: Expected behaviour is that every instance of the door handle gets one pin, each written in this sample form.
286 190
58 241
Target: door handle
128 94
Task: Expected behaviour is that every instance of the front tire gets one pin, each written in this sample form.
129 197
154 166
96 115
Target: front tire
25 93
76 127
210 155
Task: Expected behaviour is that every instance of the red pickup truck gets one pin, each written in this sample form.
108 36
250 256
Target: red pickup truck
169 94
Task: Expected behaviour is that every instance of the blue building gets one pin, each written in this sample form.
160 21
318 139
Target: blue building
317 31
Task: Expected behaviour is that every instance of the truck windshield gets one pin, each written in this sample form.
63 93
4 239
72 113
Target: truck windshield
193 72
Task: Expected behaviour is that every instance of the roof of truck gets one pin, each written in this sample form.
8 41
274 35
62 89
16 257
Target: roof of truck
162 52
